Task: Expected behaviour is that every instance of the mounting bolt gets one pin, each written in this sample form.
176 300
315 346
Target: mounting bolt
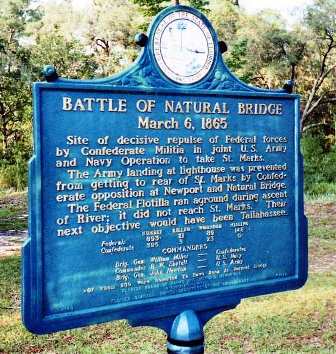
222 46
141 39
50 74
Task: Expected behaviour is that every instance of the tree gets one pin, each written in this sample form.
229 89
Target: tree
226 19
110 31
14 75
264 52
105 33
14 98
320 21
152 7
201 5
15 94
67 56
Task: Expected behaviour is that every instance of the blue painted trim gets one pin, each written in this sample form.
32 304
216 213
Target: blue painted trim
85 85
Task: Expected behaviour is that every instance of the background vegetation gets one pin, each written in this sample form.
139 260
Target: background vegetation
263 51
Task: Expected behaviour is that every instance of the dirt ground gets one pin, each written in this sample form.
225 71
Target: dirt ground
322 236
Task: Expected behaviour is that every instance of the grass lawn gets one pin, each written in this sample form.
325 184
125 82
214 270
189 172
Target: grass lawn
302 321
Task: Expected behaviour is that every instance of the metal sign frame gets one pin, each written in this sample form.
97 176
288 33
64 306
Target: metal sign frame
145 78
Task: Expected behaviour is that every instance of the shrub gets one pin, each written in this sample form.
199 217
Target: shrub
319 166
14 174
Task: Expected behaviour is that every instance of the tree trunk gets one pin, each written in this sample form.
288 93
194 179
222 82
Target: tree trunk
5 137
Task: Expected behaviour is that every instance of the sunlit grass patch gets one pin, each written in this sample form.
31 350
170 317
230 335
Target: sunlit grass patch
322 192
9 283
293 322
323 232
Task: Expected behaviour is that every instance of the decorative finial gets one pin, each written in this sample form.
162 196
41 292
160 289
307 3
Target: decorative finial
50 73
222 47
289 86
177 2
141 39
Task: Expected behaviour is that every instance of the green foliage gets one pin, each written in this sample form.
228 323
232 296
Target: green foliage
14 174
20 64
226 19
14 98
321 17
237 60
201 5
282 45
319 165
152 7
15 95
110 32
68 57
270 52
317 73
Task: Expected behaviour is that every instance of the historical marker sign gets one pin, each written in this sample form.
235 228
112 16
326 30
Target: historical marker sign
173 186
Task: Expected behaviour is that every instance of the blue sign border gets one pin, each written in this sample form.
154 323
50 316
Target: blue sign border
145 77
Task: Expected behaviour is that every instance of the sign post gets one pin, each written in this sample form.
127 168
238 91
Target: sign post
163 195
